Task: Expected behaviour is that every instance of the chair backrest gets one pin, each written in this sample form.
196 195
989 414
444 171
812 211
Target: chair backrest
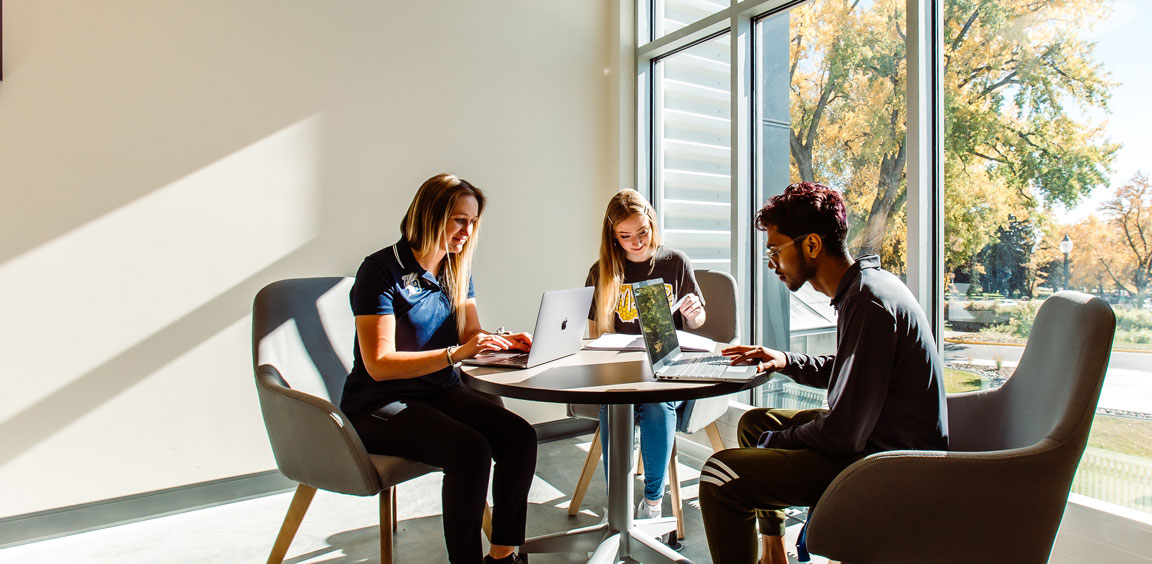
302 338
723 326
1011 448
305 327
719 289
1053 392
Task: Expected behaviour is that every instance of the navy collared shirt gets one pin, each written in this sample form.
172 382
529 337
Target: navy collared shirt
391 282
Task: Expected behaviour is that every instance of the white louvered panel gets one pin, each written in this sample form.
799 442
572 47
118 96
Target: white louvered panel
678 13
693 186
691 127
695 154
697 157
697 216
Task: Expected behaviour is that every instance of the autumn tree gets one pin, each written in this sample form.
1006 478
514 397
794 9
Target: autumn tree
1012 68
1096 250
1130 212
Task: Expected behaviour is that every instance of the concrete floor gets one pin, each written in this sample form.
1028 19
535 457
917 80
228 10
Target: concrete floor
343 529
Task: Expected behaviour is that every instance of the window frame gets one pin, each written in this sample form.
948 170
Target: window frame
924 124
925 164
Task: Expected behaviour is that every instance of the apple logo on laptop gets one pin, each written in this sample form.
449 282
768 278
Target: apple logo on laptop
564 324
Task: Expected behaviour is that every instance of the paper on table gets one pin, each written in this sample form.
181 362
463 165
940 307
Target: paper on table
617 342
690 342
625 342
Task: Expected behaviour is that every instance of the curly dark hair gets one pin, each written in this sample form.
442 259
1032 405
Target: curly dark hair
807 207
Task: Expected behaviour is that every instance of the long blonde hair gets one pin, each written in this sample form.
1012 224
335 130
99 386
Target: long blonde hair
610 270
423 228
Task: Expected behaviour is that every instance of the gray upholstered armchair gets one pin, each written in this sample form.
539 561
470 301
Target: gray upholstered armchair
1000 493
302 337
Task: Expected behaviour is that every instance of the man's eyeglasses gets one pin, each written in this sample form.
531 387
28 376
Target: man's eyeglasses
773 252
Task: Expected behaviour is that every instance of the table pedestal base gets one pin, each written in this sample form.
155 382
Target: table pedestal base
619 535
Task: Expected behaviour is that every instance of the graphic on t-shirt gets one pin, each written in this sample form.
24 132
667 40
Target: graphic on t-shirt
626 305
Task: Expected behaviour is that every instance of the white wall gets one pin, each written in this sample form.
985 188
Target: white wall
162 161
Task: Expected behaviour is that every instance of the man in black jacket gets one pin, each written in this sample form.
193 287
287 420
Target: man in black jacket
885 383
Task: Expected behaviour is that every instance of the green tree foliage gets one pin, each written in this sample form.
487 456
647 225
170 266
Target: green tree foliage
1006 262
1012 69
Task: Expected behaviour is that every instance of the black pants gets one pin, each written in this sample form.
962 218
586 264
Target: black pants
743 487
462 432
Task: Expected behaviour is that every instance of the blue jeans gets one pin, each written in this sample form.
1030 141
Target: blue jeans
657 431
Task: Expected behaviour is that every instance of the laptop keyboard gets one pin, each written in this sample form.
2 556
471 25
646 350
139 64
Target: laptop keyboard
505 358
697 366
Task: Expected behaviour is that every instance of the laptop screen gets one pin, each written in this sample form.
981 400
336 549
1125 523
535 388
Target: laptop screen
656 321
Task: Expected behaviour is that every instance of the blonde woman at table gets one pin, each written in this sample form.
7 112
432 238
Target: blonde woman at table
416 318
631 251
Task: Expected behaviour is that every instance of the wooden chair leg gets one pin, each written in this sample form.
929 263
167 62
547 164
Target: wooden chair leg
292 519
713 431
586 474
387 517
486 524
674 476
395 510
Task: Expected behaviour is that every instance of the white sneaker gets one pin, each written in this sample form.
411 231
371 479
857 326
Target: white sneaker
647 511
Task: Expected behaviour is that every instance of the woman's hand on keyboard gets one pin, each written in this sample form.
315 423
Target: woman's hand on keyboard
520 341
483 342
769 360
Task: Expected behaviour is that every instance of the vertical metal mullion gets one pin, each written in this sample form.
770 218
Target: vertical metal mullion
924 168
936 223
656 140
741 159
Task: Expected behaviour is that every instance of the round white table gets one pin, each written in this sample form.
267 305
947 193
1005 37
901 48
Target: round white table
619 379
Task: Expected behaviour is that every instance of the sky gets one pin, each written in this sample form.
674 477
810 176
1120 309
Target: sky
1122 46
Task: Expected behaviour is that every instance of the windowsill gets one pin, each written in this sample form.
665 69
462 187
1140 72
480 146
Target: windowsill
1106 509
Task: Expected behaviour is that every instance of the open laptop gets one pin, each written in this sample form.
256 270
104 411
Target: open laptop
668 362
559 329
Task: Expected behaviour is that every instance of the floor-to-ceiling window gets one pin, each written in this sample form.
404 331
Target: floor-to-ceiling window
830 81
1042 186
692 151
1046 132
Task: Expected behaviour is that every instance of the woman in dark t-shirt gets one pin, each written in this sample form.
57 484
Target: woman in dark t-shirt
631 251
416 318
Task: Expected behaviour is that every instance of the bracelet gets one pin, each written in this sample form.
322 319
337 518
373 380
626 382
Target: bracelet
501 331
448 355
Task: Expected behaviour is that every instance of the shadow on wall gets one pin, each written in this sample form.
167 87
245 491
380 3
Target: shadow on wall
160 164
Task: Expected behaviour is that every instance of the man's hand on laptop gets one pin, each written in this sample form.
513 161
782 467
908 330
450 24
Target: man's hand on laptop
769 360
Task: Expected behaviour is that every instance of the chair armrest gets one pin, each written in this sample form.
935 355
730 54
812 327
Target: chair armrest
878 509
313 442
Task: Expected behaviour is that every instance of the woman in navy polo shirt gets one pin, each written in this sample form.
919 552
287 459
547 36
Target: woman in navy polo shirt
415 319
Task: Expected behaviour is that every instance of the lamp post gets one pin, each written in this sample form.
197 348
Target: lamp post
1066 248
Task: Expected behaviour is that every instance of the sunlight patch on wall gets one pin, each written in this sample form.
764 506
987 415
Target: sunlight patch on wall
87 296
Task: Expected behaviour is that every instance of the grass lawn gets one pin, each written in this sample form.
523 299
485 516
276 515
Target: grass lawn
1122 434
1117 434
956 381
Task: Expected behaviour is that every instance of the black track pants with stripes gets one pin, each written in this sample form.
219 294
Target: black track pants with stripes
742 486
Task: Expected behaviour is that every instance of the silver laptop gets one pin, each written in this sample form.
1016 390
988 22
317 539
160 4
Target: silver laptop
659 331
559 329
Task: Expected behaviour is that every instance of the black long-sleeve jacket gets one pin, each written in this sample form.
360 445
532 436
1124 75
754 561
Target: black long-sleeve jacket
885 382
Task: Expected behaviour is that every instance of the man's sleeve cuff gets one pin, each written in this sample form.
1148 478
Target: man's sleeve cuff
765 439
